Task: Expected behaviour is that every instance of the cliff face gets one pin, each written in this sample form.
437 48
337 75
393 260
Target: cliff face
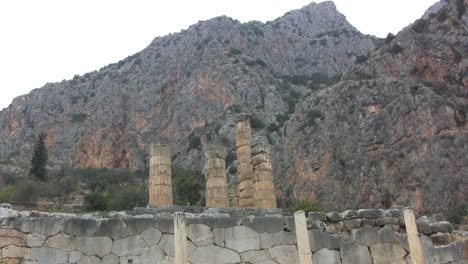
366 138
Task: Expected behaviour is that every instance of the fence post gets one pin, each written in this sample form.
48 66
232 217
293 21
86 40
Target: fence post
180 239
303 246
413 239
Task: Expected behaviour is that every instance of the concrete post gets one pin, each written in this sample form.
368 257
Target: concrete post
244 157
160 180
413 238
303 246
233 194
264 183
180 239
215 175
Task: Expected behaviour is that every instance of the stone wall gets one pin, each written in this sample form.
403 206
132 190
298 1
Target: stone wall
215 235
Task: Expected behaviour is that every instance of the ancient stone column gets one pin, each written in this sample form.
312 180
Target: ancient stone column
264 183
233 194
215 175
244 157
413 238
160 181
302 236
180 239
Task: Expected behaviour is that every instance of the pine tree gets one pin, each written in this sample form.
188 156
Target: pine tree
39 158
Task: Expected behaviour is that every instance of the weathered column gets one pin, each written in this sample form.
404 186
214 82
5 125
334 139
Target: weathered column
244 157
160 181
264 183
233 194
215 175
302 236
180 239
413 238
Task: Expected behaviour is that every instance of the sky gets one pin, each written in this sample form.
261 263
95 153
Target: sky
51 40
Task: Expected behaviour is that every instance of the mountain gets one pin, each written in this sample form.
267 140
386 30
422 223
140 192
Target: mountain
351 124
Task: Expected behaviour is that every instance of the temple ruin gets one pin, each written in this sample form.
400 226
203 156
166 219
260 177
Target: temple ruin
160 175
215 175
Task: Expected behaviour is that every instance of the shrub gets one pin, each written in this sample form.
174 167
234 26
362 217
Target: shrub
7 193
79 118
389 38
420 25
233 170
460 8
230 157
256 123
442 15
26 192
261 63
194 142
456 213
187 189
306 206
128 197
235 51
395 49
361 59
273 127
96 201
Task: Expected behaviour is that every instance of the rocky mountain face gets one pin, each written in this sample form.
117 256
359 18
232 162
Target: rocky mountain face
391 129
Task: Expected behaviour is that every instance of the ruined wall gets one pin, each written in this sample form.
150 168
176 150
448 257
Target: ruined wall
220 236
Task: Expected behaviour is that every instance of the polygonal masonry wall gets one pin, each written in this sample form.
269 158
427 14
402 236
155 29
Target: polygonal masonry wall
222 236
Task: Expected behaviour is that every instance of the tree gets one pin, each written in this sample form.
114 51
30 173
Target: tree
39 158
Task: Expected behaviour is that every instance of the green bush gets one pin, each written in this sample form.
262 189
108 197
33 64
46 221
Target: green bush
459 4
79 118
261 63
186 187
273 127
306 206
96 201
26 192
256 123
361 59
235 51
456 213
7 193
389 38
420 25
194 142
233 170
395 49
442 15
128 197
230 157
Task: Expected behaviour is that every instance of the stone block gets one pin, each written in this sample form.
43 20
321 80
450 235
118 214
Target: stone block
93 246
387 253
317 216
441 238
327 256
213 254
13 251
241 239
46 255
167 245
355 253
393 213
110 259
386 221
62 241
371 213
436 218
334 217
448 253
264 224
133 245
89 260
423 225
151 236
403 241
45 226
268 240
367 236
441 227
35 240
113 228
218 236
255 256
351 224
387 235
319 240
367 222
289 224
284 254
200 235
152 255
74 256
11 237
318 225
80 227
137 225
349 214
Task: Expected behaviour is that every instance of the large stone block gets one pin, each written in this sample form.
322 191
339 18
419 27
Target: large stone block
255 256
387 253
317 216
94 246
152 255
42 225
165 225
74 256
133 245
89 260
268 240
213 254
200 235
113 228
351 224
448 253
334 217
386 221
80 227
423 225
387 235
151 236
241 239
319 240
35 240
355 253
11 237
441 227
284 254
367 236
371 213
137 225
327 256
13 251
264 224
61 241
349 214
167 245
110 259
46 255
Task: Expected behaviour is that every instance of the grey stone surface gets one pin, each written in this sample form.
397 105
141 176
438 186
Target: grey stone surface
397 213
13 251
93 246
371 213
387 253
351 224
349 214
367 236
199 234
35 240
355 253
262 224
284 254
423 225
441 238
448 253
152 255
133 245
113 228
62 241
167 245
367 222
214 221
289 223
333 217
255 256
268 240
241 239
387 235
218 236
436 218
80 227
213 254
137 225
386 221
46 255
319 225
319 240
151 236
317 216
327 256
110 259
44 226
441 227
403 241
74 256
89 260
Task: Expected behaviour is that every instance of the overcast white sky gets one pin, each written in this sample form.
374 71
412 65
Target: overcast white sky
51 40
